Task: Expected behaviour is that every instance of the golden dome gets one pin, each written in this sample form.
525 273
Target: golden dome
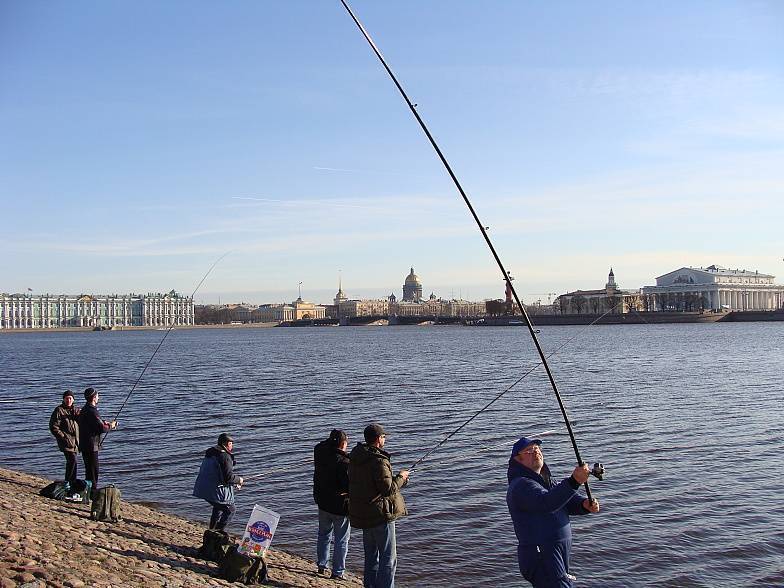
412 278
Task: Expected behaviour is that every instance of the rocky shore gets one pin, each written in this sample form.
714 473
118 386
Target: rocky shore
45 542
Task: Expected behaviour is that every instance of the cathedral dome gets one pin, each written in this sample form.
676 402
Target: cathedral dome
412 278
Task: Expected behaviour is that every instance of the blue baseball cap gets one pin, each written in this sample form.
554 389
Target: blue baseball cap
522 443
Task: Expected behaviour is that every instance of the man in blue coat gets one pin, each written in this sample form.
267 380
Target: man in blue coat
216 481
540 510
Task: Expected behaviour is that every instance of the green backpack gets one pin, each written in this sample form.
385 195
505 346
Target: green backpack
106 505
237 567
214 545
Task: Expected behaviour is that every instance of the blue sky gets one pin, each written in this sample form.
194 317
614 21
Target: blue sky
139 141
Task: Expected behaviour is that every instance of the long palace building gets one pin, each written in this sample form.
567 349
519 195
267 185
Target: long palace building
41 311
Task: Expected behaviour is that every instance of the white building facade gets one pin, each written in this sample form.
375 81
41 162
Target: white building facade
716 288
27 311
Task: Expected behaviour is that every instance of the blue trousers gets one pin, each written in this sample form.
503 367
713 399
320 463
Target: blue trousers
546 565
380 556
337 529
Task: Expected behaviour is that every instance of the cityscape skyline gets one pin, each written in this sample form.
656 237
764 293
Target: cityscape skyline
142 142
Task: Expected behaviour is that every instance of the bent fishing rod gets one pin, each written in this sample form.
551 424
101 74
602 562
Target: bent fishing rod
160 343
482 229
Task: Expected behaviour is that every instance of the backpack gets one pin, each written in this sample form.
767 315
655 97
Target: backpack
214 545
237 567
79 491
106 505
56 490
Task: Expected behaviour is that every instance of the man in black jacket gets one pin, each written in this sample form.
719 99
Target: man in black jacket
64 425
91 428
330 491
217 481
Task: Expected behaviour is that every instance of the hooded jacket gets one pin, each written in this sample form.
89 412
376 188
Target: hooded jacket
216 479
539 508
330 478
64 425
374 491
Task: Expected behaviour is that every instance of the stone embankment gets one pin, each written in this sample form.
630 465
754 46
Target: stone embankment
45 542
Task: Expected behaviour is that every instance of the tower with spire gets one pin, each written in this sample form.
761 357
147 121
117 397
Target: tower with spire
611 286
340 296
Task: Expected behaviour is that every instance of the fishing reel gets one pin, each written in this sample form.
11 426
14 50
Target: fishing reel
598 471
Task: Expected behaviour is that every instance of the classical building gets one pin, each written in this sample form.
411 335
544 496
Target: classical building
412 288
307 310
608 299
714 288
27 311
351 308
270 313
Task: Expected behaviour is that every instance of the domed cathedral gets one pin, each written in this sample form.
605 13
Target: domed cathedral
412 288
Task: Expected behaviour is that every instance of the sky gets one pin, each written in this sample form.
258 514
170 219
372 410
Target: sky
141 141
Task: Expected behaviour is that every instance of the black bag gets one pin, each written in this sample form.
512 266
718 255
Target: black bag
214 545
56 490
237 567
107 505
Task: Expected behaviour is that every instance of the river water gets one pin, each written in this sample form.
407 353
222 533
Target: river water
687 420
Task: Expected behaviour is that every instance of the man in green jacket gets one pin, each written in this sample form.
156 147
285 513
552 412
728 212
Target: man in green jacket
375 504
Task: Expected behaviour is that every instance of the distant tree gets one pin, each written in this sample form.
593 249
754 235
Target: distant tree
578 303
595 302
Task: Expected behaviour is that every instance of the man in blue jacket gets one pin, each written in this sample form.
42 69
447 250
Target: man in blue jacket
540 510
216 481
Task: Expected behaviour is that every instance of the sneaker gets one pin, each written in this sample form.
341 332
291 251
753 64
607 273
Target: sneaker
338 577
322 571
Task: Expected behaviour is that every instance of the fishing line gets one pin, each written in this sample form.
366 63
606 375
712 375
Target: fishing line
515 383
482 229
154 353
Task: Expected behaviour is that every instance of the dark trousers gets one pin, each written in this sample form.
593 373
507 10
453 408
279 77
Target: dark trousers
221 515
70 466
91 467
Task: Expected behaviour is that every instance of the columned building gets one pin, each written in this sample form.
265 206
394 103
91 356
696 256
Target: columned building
610 299
715 288
27 311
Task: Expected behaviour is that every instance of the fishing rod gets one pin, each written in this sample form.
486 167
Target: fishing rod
482 229
154 353
597 466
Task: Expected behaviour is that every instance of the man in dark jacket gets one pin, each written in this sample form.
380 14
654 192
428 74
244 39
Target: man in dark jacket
376 502
540 511
216 481
91 428
330 491
64 425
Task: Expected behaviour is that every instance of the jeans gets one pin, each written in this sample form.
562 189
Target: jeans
70 466
221 515
338 529
380 556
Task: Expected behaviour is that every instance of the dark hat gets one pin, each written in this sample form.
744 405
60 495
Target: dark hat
337 436
90 393
68 393
522 443
373 432
224 438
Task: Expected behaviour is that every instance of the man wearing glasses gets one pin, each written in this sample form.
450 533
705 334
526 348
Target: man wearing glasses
540 510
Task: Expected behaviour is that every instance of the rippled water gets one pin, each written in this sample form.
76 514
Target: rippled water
686 418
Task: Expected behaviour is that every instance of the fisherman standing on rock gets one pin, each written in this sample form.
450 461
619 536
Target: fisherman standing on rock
216 481
91 428
64 425
540 512
375 503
